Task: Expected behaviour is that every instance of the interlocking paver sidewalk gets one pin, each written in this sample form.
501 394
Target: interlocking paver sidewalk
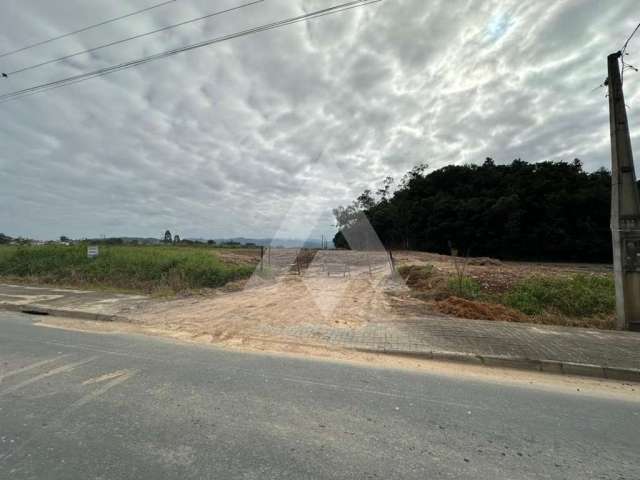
568 350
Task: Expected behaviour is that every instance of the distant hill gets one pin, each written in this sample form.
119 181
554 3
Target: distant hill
276 242
273 242
123 240
5 238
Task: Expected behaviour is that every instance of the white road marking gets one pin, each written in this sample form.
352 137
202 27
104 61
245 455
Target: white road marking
124 376
59 419
30 367
301 380
105 377
55 371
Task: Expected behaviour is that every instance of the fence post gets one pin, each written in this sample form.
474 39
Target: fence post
392 263
261 258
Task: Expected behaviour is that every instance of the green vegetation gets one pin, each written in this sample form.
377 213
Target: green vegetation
426 278
529 211
144 268
465 287
568 299
576 296
7 251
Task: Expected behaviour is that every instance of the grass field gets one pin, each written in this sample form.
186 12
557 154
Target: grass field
159 269
574 296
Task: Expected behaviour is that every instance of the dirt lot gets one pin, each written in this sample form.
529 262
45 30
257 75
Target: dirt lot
497 276
344 289
341 289
493 278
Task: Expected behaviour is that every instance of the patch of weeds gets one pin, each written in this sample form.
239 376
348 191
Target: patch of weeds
575 296
464 287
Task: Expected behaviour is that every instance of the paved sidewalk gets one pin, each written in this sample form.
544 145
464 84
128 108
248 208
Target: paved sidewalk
83 304
554 349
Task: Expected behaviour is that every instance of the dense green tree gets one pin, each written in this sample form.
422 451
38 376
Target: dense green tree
535 211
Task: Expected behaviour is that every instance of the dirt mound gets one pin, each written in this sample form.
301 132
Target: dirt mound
461 308
484 261
425 281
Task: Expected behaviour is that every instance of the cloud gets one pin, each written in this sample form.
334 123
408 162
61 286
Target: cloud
235 138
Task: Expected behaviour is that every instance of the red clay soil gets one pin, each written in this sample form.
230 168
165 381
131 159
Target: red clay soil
461 308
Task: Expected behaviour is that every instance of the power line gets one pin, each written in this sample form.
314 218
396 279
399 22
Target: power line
152 7
625 66
97 73
626 44
135 37
133 63
623 53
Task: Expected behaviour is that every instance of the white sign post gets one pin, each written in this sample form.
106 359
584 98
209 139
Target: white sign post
93 251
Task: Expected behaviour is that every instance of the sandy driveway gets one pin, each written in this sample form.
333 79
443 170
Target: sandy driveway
348 299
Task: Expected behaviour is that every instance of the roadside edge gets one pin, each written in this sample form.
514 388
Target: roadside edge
35 309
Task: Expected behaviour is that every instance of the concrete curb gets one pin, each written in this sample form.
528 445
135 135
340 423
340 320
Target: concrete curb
520 363
57 312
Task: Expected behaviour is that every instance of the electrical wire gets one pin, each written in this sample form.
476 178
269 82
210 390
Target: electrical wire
90 27
135 37
133 63
623 53
625 66
626 44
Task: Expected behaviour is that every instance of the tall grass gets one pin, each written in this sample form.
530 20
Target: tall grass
142 268
7 251
465 287
576 296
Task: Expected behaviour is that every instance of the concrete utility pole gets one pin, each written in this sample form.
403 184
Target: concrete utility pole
625 206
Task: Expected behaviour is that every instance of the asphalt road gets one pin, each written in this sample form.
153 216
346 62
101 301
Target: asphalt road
77 405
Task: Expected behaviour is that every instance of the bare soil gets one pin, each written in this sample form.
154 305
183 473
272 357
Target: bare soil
361 291
341 289
497 276
462 308
428 275
238 256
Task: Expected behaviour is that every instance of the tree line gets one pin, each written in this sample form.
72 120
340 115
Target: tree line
552 211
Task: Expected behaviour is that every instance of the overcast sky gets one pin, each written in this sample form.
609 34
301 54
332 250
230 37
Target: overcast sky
264 135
